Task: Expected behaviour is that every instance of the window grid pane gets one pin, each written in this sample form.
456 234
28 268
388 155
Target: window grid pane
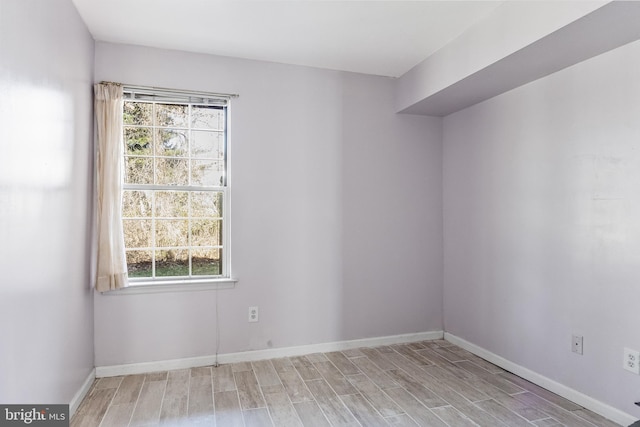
170 145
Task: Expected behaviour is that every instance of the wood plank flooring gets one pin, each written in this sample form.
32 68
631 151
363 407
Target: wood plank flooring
429 383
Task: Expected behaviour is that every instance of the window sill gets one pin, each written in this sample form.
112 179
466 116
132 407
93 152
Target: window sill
174 286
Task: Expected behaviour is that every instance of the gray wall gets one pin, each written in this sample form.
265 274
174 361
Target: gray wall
336 213
46 310
541 229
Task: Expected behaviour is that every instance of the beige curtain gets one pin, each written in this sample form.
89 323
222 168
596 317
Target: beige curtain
112 265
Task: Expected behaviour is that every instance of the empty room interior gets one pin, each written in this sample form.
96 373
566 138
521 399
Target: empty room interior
393 213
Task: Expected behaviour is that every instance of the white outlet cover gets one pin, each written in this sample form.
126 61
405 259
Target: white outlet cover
253 314
576 344
631 361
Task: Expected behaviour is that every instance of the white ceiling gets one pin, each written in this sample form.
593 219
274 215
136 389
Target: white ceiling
375 37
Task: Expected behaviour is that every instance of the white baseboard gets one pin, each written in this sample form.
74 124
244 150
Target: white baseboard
575 396
249 356
82 392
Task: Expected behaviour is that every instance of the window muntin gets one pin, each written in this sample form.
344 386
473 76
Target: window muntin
175 190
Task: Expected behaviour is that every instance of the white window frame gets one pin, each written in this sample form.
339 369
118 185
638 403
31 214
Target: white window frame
186 283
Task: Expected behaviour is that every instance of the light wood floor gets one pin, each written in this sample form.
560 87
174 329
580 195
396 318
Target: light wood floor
430 383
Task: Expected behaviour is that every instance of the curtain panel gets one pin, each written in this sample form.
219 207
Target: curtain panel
112 265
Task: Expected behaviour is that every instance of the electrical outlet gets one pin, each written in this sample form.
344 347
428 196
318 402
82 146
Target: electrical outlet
253 314
631 361
576 344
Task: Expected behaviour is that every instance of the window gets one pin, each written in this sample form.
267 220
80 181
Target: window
175 192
